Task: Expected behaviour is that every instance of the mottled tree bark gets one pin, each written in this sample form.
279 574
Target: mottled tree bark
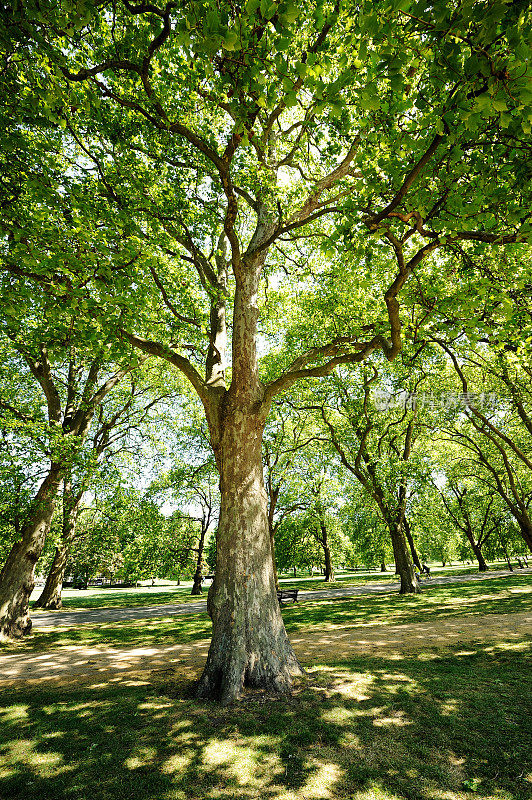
17 578
249 645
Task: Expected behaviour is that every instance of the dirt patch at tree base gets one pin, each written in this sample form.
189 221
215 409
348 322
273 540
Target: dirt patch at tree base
95 666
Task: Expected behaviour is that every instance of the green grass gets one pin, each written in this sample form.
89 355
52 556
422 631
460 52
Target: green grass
451 724
361 578
431 727
98 597
492 596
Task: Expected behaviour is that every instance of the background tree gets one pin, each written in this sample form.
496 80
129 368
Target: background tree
72 392
119 420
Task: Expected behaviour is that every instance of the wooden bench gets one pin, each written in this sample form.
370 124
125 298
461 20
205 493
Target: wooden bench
284 595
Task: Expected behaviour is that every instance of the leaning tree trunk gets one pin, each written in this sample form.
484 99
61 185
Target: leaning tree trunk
410 538
403 561
198 575
17 578
249 645
50 597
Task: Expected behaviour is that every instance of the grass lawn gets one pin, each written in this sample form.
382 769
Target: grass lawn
492 596
98 597
434 725
441 727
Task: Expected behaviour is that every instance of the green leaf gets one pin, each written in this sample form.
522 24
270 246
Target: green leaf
231 40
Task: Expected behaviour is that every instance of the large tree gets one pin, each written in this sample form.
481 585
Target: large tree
233 139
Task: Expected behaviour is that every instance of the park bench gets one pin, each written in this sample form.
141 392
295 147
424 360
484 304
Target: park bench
284 595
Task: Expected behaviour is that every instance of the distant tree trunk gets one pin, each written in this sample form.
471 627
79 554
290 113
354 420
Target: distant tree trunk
274 564
413 551
482 566
403 562
50 597
329 570
324 541
476 548
17 578
272 503
384 568
198 575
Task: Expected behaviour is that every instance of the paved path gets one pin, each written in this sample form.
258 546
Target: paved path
95 616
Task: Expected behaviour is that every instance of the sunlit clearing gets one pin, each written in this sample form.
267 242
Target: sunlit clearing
398 720
14 714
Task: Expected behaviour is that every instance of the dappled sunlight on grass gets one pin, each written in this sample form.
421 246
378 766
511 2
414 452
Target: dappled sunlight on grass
140 633
495 596
452 727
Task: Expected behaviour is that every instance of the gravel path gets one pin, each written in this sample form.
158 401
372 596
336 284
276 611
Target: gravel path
97 665
96 616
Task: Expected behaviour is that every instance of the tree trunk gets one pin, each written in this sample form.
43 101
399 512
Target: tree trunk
413 551
403 562
526 533
17 578
272 527
198 575
274 563
328 571
383 565
51 594
249 645
482 566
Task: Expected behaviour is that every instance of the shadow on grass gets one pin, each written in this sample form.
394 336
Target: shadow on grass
415 728
140 633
